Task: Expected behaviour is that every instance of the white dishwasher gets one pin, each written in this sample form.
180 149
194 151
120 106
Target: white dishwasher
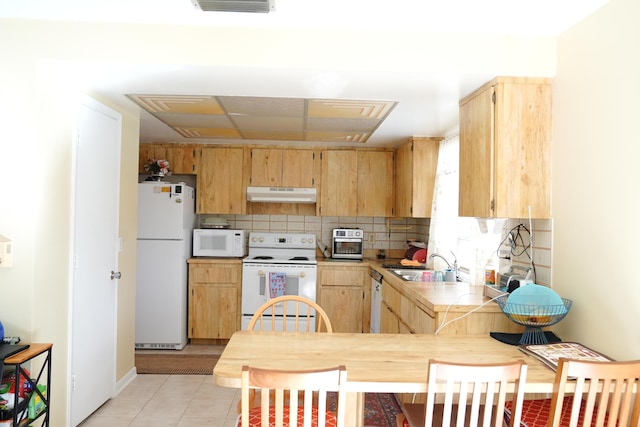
376 300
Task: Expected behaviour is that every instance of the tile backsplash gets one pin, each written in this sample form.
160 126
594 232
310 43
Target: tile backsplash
379 232
541 250
392 234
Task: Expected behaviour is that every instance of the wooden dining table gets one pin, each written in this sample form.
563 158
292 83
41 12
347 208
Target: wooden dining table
376 363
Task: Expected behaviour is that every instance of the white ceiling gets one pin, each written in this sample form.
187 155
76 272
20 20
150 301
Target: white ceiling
427 100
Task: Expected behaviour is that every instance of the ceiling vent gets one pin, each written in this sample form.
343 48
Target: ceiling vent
259 6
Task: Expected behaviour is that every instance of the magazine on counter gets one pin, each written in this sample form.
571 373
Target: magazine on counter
549 354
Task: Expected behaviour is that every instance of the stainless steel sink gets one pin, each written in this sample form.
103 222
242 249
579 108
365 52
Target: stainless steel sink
409 275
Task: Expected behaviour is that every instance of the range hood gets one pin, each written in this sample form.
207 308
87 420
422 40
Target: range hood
281 195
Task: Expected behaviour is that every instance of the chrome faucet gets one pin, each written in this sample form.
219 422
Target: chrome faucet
453 267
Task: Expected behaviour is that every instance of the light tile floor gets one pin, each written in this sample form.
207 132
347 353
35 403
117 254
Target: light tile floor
169 401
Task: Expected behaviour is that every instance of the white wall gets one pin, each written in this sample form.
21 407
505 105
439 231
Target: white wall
35 147
596 200
36 116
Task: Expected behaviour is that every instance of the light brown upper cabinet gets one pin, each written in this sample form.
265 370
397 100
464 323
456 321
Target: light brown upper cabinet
375 183
339 183
182 160
357 183
505 143
221 181
416 163
277 167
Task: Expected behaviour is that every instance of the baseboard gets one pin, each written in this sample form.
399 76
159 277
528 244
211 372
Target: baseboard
126 380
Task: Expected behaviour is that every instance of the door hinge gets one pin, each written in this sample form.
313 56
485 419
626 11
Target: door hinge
493 205
493 97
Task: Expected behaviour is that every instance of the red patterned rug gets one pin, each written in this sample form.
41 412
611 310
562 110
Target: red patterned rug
380 409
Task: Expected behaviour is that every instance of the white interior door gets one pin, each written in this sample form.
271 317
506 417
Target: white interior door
95 240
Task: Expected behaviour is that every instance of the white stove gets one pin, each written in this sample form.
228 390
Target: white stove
277 264
294 248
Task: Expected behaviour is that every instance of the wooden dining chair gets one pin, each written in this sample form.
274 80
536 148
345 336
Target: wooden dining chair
302 314
474 395
307 402
603 396
304 309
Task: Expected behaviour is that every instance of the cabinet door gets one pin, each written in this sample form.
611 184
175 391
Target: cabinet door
213 312
339 183
375 183
182 160
505 143
344 293
345 307
404 181
298 168
476 156
266 167
389 322
416 165
522 147
145 153
221 188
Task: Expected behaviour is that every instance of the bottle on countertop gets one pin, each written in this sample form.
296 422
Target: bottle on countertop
491 271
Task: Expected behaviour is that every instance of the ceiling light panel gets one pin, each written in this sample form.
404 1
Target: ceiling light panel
269 123
196 120
268 119
178 104
333 124
209 133
261 106
350 108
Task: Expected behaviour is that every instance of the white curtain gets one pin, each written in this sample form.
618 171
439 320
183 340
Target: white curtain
443 228
473 241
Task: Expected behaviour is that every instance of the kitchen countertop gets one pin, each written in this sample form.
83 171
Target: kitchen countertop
456 297
210 260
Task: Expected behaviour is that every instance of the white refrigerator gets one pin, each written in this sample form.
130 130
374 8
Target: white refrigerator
166 218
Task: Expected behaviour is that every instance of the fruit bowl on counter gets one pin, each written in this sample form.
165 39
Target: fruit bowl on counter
534 307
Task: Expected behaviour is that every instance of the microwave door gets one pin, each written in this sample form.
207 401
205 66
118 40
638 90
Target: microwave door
214 244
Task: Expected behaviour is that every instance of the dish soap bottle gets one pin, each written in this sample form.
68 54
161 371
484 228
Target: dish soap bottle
490 270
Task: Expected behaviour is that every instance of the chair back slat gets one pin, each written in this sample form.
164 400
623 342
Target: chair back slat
302 314
606 393
473 394
284 395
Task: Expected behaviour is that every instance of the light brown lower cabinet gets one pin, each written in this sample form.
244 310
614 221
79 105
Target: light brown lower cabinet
344 293
214 300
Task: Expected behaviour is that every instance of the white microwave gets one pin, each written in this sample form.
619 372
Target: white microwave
219 242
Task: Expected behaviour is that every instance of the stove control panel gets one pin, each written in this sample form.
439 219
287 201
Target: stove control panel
282 240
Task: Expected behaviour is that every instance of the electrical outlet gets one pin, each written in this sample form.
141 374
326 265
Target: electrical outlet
372 238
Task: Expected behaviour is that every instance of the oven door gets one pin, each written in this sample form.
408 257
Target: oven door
257 288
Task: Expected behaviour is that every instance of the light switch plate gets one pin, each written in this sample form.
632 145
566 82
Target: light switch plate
6 252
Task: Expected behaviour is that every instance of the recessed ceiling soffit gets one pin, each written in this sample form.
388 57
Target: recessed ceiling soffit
263 118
